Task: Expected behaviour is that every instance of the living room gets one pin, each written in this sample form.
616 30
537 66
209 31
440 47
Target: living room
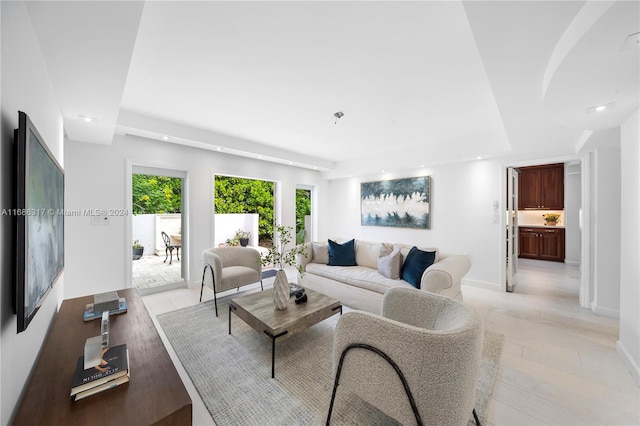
97 176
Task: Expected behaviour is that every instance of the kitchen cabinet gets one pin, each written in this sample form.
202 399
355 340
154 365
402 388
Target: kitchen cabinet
542 243
541 187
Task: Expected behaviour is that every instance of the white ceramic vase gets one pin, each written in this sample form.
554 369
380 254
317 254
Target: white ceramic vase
281 290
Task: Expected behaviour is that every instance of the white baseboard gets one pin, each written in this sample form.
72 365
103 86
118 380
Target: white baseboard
481 284
628 362
605 312
571 262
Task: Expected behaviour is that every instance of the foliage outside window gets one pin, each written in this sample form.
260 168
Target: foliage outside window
303 208
156 194
241 195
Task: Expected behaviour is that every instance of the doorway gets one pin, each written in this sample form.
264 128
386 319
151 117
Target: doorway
157 225
304 217
573 219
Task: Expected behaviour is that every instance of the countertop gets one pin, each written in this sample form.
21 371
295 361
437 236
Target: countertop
541 226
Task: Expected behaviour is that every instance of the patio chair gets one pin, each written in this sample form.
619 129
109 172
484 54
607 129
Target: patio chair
231 267
168 251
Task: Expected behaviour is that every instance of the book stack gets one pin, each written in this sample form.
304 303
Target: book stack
112 371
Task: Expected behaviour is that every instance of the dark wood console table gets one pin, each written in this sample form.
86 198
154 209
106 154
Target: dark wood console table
154 395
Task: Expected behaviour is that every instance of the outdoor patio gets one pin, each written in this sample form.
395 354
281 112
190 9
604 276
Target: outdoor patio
151 271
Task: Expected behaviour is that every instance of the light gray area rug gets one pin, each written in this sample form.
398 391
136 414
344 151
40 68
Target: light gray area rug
232 373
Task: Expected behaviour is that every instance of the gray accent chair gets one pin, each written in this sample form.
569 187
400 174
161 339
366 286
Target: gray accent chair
231 267
417 363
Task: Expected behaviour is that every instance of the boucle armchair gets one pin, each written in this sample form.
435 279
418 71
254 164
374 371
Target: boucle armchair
418 362
231 267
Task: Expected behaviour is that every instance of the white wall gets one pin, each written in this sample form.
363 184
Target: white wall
572 200
607 231
96 178
25 87
629 344
462 197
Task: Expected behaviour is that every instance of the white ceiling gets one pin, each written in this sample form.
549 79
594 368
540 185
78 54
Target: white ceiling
420 83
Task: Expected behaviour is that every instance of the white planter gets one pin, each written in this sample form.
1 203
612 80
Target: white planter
281 290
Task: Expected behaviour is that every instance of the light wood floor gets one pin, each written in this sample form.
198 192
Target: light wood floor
559 365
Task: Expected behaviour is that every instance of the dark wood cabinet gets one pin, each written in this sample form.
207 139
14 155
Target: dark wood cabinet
541 187
542 243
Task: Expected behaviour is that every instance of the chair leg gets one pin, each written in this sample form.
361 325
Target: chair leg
215 299
261 287
475 417
204 271
166 254
178 252
213 282
170 255
386 357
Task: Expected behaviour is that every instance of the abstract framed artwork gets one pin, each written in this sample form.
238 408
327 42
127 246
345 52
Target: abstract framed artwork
398 203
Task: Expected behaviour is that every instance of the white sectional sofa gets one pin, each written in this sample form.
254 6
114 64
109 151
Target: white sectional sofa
362 287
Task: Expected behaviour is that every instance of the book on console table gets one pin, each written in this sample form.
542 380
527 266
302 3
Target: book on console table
113 370
91 314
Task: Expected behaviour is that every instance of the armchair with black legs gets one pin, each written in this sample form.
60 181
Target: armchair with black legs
230 267
417 363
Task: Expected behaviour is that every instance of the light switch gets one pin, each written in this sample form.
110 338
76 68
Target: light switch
100 220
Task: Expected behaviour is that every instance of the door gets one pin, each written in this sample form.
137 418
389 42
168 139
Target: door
512 229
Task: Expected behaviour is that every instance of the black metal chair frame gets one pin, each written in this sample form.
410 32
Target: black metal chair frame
169 248
401 376
213 282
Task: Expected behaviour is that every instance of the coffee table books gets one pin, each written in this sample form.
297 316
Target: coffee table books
114 370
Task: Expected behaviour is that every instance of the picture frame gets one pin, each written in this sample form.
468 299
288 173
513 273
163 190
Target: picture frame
397 203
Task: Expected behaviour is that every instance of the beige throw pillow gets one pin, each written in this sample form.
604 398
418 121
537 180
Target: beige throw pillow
389 262
320 253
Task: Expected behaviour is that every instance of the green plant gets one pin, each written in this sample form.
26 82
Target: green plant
137 245
232 242
551 217
242 234
278 255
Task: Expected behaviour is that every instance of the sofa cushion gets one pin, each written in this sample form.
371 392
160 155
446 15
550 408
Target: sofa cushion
320 253
415 265
357 276
389 262
367 253
342 254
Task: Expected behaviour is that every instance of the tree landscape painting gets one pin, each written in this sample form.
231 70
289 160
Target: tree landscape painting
399 203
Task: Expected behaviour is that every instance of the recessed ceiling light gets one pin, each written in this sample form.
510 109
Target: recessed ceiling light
165 138
87 119
290 162
219 149
479 157
384 171
259 157
421 165
600 108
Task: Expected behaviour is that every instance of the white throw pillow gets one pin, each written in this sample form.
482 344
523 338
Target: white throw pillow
320 253
389 262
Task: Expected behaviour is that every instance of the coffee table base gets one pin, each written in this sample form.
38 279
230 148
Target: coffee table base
273 338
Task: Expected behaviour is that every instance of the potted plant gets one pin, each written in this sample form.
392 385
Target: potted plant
279 256
138 249
551 218
242 237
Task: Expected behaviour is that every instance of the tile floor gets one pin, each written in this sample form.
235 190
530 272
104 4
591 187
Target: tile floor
149 272
559 365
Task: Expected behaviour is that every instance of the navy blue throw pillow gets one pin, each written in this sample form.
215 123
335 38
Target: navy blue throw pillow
415 265
342 254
